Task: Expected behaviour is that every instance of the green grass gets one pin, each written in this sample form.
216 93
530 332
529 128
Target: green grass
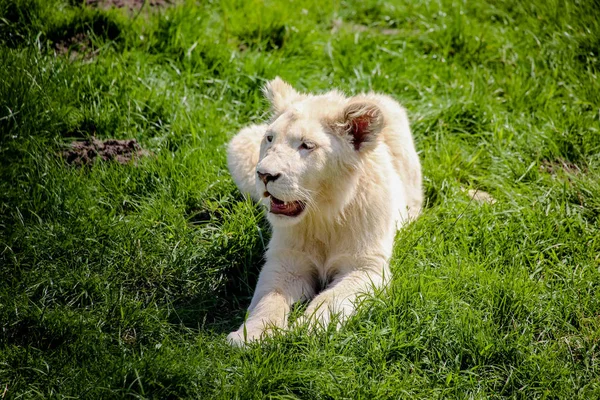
123 280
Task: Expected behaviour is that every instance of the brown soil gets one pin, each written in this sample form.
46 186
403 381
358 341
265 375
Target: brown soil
86 152
131 4
77 45
80 46
554 166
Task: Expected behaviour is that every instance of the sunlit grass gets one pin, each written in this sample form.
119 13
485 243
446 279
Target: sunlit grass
123 280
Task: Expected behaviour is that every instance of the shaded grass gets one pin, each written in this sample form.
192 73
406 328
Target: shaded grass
123 280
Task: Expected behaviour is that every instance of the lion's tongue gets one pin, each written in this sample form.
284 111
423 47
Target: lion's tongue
280 207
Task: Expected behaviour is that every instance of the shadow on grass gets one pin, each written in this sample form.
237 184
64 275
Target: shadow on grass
240 257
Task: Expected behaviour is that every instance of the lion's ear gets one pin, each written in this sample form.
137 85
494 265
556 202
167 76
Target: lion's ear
281 95
362 121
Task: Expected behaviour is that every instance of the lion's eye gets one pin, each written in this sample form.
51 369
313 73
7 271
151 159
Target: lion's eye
269 138
307 145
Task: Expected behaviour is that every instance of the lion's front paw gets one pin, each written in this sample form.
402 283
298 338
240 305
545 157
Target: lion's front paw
316 320
240 338
236 339
323 312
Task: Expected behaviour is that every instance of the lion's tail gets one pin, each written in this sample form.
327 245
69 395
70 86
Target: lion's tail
242 157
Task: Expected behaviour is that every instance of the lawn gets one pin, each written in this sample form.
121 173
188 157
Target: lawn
122 279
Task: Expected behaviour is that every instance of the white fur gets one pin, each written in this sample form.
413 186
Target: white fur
356 196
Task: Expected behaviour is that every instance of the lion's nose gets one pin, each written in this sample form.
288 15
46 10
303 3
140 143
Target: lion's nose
266 177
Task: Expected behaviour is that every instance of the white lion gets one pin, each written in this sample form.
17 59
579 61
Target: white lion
338 177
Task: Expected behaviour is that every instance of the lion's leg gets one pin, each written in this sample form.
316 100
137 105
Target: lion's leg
340 299
243 153
280 284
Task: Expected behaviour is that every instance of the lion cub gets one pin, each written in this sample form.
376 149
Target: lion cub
338 177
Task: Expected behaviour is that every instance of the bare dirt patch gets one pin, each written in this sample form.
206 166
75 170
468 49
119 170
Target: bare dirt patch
76 46
480 196
86 152
130 4
75 38
555 166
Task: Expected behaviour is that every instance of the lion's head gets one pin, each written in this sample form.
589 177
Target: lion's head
311 151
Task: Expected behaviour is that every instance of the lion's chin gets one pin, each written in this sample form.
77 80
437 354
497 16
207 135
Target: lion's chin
282 208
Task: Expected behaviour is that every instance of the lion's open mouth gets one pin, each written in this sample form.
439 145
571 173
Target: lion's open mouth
288 208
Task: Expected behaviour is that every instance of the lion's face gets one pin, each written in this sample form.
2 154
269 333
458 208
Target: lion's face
299 157
310 151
